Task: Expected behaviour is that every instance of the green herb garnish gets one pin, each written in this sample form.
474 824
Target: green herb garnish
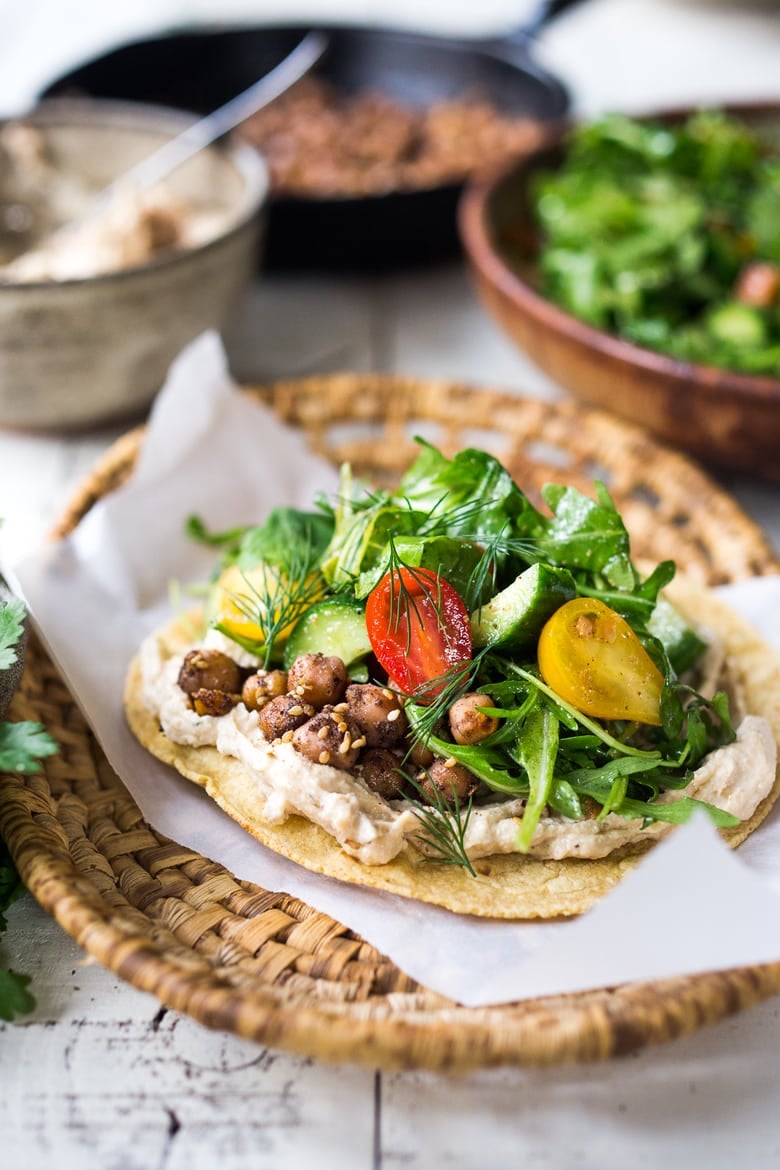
445 826
22 746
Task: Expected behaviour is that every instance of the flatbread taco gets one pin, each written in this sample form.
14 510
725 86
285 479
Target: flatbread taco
446 693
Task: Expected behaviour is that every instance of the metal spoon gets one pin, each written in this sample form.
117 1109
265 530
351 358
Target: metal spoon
172 154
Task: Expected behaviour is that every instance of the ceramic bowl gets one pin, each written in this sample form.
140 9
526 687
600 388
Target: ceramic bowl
726 419
78 352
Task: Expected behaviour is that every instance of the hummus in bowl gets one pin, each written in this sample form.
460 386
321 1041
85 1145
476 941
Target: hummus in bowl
90 325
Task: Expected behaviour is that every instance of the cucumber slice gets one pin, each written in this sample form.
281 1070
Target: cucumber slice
336 625
682 644
517 613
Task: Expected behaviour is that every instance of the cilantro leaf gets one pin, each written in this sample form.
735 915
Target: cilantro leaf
14 996
22 745
11 629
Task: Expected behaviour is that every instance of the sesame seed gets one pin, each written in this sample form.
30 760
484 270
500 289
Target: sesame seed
287 737
393 715
300 689
450 763
295 710
341 707
359 743
323 732
324 757
341 726
388 694
345 744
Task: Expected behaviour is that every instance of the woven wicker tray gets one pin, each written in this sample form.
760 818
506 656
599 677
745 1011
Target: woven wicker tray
265 965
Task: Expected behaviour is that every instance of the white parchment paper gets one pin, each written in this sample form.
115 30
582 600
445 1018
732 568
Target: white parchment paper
690 906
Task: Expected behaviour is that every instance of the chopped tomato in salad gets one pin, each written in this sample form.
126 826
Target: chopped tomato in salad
419 629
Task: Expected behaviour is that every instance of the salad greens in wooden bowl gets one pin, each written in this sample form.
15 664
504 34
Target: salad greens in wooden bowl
637 260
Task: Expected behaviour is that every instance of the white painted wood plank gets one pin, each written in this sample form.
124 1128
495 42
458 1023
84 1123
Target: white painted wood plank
709 1100
440 330
99 1078
96 1079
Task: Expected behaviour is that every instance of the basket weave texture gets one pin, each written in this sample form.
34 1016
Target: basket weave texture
265 965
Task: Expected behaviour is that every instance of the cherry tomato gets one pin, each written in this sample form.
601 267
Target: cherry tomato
592 658
262 590
418 627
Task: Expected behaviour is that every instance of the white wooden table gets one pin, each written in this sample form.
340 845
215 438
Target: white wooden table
99 1077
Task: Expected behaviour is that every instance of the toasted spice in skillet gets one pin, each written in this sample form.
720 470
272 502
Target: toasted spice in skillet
321 142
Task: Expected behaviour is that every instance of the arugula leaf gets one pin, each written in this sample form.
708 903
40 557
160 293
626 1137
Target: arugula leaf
538 753
588 534
676 812
435 483
195 528
563 799
279 540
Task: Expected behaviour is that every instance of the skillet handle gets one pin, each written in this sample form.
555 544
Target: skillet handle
544 12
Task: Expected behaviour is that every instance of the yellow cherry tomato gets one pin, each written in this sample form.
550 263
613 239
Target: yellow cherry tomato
249 603
592 658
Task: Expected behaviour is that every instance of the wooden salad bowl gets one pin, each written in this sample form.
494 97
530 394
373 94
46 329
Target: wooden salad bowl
729 420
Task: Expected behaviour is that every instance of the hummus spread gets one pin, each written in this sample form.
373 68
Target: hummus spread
735 778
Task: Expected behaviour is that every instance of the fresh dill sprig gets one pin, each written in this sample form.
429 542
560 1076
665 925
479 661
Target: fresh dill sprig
404 603
443 520
273 603
434 698
445 827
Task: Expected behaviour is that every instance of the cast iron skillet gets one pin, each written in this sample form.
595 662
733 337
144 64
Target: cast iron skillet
200 70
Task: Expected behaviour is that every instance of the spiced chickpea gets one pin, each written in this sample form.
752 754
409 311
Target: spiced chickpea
382 772
421 755
207 701
283 714
468 723
210 670
317 679
260 688
378 713
449 780
329 737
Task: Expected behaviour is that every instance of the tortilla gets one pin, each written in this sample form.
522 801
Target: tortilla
507 885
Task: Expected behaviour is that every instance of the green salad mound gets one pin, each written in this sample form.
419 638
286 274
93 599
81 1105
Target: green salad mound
668 236
459 536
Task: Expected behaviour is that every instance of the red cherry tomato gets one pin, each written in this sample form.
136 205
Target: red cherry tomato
419 629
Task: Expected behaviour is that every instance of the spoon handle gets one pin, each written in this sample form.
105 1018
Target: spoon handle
200 134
